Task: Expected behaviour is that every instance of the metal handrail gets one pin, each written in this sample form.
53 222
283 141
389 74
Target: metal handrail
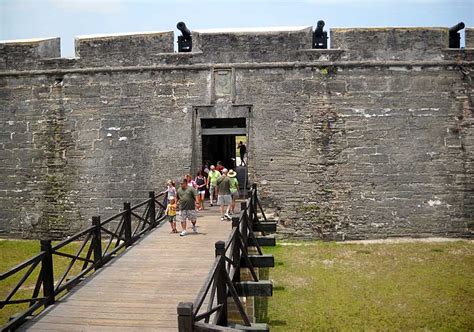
90 254
223 270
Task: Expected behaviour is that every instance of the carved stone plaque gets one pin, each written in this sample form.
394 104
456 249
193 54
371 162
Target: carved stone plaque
223 82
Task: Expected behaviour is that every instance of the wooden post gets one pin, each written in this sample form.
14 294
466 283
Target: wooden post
47 272
127 224
245 222
185 317
252 213
254 203
236 251
97 243
221 289
152 208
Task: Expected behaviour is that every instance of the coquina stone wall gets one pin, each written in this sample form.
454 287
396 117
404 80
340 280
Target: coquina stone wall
369 139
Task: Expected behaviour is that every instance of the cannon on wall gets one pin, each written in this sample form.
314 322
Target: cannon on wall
185 42
320 37
455 36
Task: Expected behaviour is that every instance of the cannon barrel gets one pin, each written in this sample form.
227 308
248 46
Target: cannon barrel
320 37
455 36
457 27
184 30
185 42
320 26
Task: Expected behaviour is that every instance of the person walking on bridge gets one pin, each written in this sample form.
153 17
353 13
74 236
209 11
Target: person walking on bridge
201 188
212 183
224 198
187 206
234 189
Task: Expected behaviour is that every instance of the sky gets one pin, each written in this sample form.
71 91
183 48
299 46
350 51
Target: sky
24 19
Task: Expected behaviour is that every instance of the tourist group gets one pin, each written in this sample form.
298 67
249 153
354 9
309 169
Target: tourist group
184 202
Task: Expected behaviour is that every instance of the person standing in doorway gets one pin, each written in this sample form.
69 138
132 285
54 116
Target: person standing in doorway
243 151
224 198
212 183
187 206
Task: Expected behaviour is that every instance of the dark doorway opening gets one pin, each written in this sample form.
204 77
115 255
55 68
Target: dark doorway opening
219 143
219 140
219 148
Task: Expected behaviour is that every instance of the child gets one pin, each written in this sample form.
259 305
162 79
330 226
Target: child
170 191
171 213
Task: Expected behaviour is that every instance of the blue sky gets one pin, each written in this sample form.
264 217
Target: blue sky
69 18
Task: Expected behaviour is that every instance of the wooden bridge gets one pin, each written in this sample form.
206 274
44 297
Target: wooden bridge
141 276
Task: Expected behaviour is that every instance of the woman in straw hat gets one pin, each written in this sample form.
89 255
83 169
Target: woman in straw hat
234 189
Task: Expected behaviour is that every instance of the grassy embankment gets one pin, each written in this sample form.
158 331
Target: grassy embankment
332 286
13 252
376 287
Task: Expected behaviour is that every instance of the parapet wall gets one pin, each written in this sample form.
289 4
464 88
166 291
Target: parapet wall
469 37
15 53
249 44
123 49
370 139
391 43
253 45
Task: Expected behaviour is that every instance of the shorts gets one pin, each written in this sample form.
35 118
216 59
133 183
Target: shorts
172 218
212 187
202 192
224 199
235 194
187 214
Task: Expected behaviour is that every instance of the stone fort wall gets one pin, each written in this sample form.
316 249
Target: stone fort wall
369 139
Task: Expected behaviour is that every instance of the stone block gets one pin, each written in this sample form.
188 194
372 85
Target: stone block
227 45
469 37
391 43
14 53
123 49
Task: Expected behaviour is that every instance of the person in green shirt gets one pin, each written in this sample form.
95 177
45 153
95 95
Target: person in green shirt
187 205
224 198
234 189
212 183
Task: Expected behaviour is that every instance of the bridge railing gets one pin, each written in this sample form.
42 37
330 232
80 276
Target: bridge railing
209 312
99 243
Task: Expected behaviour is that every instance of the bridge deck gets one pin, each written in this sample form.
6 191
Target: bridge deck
141 289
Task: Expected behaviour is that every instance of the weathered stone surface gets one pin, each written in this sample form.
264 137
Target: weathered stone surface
469 37
391 43
252 44
14 53
342 145
123 49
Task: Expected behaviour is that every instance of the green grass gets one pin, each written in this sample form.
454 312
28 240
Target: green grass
376 287
13 252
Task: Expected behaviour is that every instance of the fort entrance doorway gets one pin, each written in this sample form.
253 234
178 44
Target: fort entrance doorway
217 130
219 139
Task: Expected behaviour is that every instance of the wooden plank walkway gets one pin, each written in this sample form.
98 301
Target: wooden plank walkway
140 290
